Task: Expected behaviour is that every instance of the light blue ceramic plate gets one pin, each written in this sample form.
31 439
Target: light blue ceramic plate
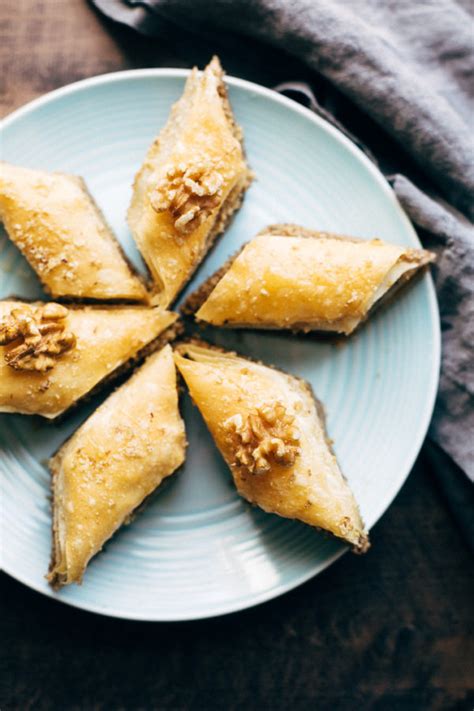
198 550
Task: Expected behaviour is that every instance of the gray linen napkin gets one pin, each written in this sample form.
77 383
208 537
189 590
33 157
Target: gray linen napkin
410 67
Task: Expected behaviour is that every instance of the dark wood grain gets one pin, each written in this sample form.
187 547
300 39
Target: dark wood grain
386 631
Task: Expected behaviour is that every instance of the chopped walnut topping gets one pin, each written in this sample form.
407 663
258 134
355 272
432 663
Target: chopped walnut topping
189 193
267 434
37 336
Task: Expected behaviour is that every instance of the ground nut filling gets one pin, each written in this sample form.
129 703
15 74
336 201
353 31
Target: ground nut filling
189 193
35 336
266 435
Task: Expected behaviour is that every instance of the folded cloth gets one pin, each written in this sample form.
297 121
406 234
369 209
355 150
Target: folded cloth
409 66
455 488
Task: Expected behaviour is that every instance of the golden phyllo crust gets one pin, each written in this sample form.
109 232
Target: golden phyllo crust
270 430
51 357
55 223
191 182
112 463
291 278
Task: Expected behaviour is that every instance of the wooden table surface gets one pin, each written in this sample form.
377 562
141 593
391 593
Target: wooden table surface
386 631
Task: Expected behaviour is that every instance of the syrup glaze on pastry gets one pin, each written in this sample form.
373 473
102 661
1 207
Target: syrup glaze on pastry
291 278
52 356
117 458
57 226
270 430
191 182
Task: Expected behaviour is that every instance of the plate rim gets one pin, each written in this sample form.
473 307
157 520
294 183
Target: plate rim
412 453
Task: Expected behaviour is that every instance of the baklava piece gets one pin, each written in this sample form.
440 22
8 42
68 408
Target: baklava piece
52 356
57 226
270 430
288 277
112 463
192 181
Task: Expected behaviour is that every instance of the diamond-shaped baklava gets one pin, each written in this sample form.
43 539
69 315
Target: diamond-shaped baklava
191 182
117 458
55 223
271 432
288 277
52 356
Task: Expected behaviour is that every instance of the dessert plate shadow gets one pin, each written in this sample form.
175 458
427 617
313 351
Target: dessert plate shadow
198 550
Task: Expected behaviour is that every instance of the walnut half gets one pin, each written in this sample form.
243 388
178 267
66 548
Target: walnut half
266 434
189 193
36 336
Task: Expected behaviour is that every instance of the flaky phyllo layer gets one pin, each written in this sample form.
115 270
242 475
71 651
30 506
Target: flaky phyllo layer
52 356
289 277
117 458
57 226
192 180
270 430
